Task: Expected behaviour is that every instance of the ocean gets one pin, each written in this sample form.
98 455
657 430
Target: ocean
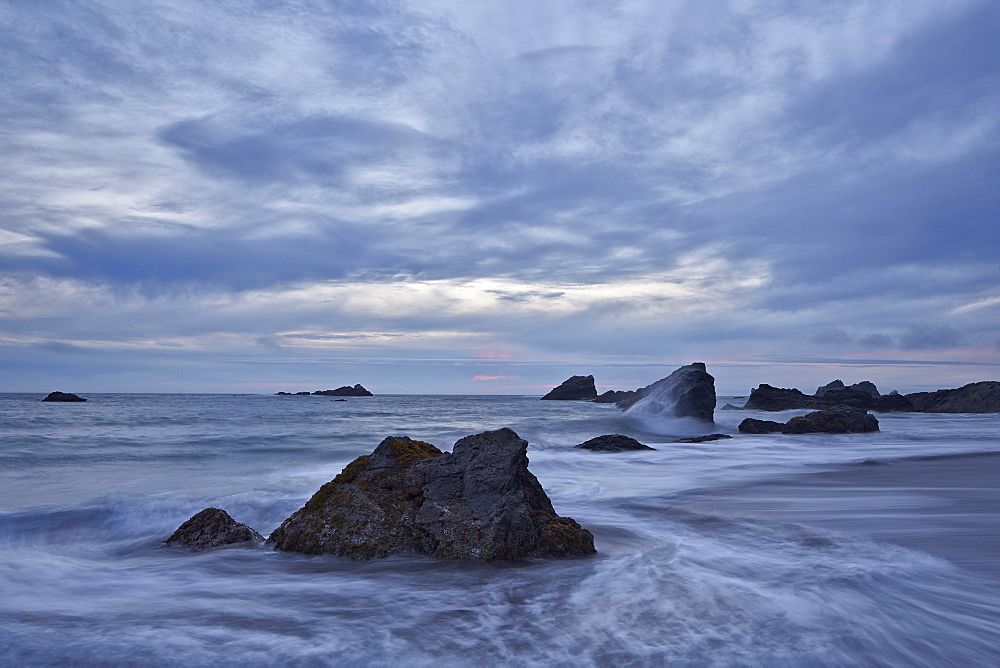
878 549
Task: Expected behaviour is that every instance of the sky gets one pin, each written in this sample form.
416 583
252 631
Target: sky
488 197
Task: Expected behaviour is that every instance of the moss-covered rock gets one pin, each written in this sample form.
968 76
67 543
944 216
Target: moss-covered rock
477 502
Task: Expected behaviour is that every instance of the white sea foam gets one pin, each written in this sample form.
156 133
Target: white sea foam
677 580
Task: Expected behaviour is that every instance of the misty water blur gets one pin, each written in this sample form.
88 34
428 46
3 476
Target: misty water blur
775 550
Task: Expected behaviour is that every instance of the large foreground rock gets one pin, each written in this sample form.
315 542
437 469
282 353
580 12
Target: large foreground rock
613 443
833 420
478 502
62 396
576 388
687 392
982 397
212 528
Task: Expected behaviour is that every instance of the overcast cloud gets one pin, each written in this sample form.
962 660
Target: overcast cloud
445 196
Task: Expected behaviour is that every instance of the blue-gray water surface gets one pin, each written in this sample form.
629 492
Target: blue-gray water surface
862 549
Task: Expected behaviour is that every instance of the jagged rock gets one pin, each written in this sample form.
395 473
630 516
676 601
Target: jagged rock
613 443
703 439
345 391
212 528
574 389
62 396
477 502
768 398
832 420
981 397
687 392
614 396
832 385
868 387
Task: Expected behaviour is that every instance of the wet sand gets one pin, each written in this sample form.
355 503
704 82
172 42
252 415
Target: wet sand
946 506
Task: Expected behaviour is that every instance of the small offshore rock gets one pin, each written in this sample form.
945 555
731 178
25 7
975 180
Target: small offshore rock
703 439
769 398
613 443
755 426
212 528
62 396
832 420
730 407
576 388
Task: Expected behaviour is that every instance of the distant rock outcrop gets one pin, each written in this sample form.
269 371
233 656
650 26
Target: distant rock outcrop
62 396
478 502
614 396
344 391
687 392
212 528
981 397
832 420
574 389
613 443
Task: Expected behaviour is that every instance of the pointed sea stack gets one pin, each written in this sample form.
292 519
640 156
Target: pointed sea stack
577 388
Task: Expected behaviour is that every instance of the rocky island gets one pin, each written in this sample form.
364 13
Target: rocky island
344 391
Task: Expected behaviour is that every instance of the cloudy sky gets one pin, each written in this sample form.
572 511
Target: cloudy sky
473 197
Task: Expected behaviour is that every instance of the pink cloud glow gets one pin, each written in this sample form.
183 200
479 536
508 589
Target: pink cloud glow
496 378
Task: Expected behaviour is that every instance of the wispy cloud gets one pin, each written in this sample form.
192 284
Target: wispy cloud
506 181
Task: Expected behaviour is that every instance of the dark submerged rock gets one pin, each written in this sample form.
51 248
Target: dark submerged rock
832 420
575 388
477 502
212 528
703 439
613 443
63 396
687 392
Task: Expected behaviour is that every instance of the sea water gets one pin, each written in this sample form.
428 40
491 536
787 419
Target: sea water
773 550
